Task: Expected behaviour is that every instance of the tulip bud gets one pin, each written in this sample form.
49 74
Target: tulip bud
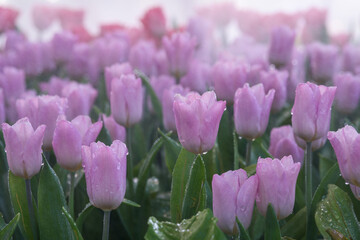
23 147
281 45
141 56
43 16
198 77
351 58
312 111
346 144
70 136
126 100
252 110
54 86
105 173
12 81
233 196
282 143
115 71
347 92
197 120
116 131
297 71
154 22
277 183
62 45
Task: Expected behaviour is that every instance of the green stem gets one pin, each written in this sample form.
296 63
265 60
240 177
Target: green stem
130 162
31 207
308 182
248 151
71 195
106 225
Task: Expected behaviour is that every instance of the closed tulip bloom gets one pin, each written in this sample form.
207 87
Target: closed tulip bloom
276 80
356 191
297 71
126 100
277 182
315 145
281 45
233 196
198 77
54 86
115 71
12 81
312 111
347 92
154 22
63 45
141 56
23 147
197 120
116 131
43 110
228 76
43 16
70 136
346 144
282 143
252 110
105 173
351 58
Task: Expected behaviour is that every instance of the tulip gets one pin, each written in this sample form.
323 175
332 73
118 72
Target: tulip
2 107
126 100
198 77
63 45
154 22
233 196
70 136
114 72
252 110
346 144
116 131
351 58
13 38
282 143
70 18
228 76
43 16
347 92
281 45
161 62
105 173
311 111
197 120
12 81
356 191
8 17
297 71
23 147
141 56
43 110
277 183
54 86
315 145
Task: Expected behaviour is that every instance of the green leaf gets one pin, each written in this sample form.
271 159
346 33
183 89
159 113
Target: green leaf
225 142
104 136
243 233
172 150
5 202
19 203
181 175
2 221
251 169
83 215
130 203
200 226
336 212
7 231
296 226
76 232
154 99
238 161
52 222
272 229
261 150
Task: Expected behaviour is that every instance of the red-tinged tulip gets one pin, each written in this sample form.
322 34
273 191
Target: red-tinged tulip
197 119
105 173
312 111
7 18
154 22
70 18
252 110
233 196
347 92
114 72
23 147
116 131
277 182
43 16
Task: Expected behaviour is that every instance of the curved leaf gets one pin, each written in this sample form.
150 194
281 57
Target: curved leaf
172 150
272 229
296 226
7 231
76 232
83 215
243 234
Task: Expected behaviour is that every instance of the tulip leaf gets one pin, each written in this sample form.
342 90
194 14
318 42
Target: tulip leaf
130 203
296 226
5 202
225 142
172 150
200 226
243 233
2 221
83 215
154 99
180 177
19 203
261 150
7 231
76 232
336 212
104 136
272 229
52 222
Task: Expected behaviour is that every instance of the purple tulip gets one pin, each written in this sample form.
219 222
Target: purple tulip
322 61
356 191
12 39
70 136
161 83
351 58
161 62
141 56
126 100
315 145
228 76
12 81
197 120
233 196
347 92
276 80
62 45
277 182
167 105
23 147
346 144
252 110
297 71
198 77
281 45
2 107
114 72
179 50
312 111
282 143
54 86
116 131
105 173
43 110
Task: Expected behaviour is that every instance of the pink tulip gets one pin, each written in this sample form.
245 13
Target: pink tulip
198 77
63 45
141 56
281 45
116 131
43 16
154 22
114 72
347 92
356 191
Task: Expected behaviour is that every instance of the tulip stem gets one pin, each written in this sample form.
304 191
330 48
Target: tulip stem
130 162
308 182
31 207
248 152
71 195
106 225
